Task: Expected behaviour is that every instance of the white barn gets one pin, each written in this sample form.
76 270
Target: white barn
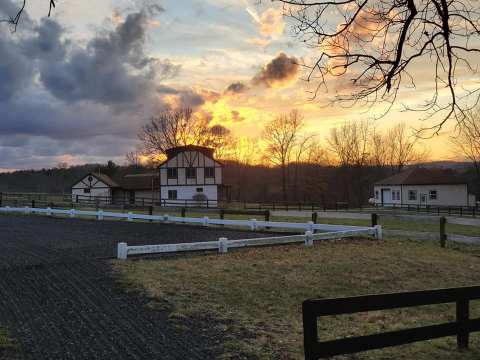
94 186
190 173
422 187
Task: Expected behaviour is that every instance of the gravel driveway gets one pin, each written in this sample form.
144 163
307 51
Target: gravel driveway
60 300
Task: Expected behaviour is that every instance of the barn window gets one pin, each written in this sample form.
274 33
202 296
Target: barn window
172 173
199 190
412 194
433 194
86 191
172 194
191 173
209 172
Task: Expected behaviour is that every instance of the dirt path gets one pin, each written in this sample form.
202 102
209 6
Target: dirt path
59 299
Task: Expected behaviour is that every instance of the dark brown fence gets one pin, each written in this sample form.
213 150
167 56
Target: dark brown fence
461 328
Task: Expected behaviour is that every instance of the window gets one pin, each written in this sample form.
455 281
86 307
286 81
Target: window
199 190
172 173
433 195
412 194
191 173
86 191
396 195
209 172
376 194
172 194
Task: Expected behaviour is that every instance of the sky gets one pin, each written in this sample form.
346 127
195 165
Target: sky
78 86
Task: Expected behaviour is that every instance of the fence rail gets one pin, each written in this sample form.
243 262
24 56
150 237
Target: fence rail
252 224
462 327
223 244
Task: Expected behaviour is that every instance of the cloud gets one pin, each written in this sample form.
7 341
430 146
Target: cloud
272 23
236 88
281 71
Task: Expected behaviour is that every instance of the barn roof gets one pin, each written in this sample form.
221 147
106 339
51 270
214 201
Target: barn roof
140 182
424 176
102 177
172 152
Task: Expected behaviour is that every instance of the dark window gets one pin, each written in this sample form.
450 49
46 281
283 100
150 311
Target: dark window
172 173
376 194
412 194
172 194
199 190
209 172
433 195
191 173
86 191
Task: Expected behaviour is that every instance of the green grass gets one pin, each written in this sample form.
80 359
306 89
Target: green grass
5 341
258 293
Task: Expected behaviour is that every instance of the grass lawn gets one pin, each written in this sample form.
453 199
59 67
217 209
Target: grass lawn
256 294
5 341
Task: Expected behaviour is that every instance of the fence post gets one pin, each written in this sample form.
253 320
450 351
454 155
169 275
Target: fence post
310 226
308 238
122 251
378 232
33 204
310 330
184 210
253 224
49 211
463 314
72 213
205 221
1 198
100 215
374 220
223 245
165 217
27 210
129 218
443 235
150 211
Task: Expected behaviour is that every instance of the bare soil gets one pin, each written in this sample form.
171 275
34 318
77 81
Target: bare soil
59 298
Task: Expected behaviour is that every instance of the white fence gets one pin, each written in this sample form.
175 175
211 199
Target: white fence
223 244
252 224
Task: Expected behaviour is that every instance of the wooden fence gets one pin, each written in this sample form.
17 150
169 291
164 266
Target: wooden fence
462 327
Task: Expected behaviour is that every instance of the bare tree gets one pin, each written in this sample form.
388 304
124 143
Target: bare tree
180 128
14 19
281 136
403 148
374 46
467 143
350 143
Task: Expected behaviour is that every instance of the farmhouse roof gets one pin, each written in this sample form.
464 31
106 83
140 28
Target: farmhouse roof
423 176
140 182
102 177
172 152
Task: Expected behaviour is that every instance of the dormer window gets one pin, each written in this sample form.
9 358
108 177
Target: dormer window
191 173
172 173
209 172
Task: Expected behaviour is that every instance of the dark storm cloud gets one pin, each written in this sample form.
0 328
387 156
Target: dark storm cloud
278 72
103 71
16 71
236 88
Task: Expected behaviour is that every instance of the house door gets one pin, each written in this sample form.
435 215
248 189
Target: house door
386 197
423 199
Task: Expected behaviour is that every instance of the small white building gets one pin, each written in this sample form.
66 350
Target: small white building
422 186
190 176
94 186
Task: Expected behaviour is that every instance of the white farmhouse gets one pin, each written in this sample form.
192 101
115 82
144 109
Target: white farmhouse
422 186
94 186
190 173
